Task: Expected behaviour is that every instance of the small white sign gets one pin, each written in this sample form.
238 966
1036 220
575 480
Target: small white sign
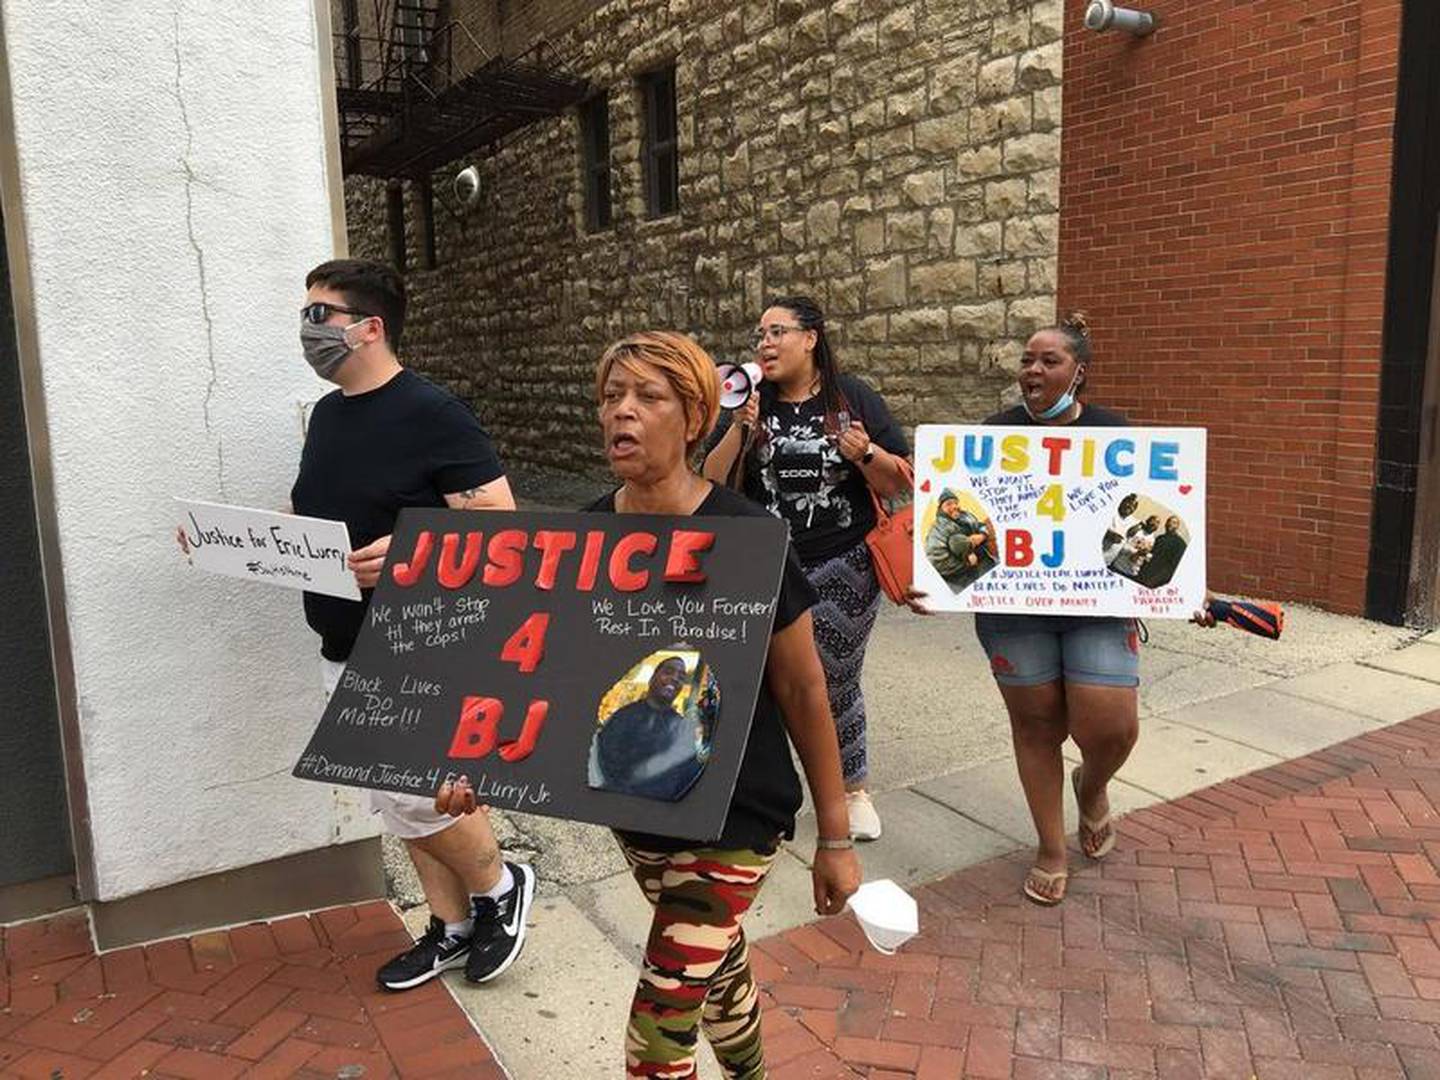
1061 520
261 545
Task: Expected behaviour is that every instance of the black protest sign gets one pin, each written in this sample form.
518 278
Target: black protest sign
596 667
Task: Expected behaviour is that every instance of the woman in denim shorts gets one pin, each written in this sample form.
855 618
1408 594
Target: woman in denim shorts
1064 676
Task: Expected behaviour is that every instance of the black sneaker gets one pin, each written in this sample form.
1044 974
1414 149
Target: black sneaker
500 927
435 952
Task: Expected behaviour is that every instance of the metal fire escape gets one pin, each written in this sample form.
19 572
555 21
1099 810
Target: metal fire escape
417 91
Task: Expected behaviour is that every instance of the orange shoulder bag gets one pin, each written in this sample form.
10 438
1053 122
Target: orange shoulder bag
892 541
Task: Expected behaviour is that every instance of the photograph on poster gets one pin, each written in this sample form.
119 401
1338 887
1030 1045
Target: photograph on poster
959 538
655 726
1144 541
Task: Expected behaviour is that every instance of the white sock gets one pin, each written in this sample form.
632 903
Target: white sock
460 930
501 887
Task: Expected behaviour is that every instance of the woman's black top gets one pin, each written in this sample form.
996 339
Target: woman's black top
1016 416
767 791
795 470
1090 416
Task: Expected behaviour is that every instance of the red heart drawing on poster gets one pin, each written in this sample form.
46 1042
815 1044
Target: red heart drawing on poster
925 486
1184 489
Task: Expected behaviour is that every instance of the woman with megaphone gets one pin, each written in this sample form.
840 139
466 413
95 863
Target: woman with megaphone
810 444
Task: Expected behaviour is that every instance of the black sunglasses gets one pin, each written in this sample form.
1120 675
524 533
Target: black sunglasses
320 312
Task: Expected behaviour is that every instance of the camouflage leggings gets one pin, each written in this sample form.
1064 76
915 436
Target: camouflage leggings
697 964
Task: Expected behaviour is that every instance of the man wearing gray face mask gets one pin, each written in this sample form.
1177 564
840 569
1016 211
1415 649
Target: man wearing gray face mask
388 438
326 346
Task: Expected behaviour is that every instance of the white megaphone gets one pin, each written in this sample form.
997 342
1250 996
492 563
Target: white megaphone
737 383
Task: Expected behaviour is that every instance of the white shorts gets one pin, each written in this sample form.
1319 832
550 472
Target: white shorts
410 817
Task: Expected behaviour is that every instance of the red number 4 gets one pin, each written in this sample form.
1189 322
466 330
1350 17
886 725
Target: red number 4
526 646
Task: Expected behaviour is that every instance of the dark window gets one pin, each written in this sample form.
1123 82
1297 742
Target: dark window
412 32
595 144
662 151
350 24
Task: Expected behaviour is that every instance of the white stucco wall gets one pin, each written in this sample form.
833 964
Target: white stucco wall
172 175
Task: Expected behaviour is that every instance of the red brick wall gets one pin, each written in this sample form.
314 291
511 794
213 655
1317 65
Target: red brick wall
1224 203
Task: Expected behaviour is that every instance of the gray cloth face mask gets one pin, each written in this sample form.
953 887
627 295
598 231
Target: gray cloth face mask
325 346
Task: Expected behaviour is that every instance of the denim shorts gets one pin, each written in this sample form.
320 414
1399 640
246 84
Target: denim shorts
1031 650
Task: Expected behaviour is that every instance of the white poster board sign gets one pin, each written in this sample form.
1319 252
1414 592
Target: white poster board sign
262 545
1061 520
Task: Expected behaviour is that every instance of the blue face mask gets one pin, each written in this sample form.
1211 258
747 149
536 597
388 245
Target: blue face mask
1062 403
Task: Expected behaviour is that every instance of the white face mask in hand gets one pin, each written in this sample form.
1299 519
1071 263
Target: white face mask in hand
886 913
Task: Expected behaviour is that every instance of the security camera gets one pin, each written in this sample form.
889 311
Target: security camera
467 186
1103 14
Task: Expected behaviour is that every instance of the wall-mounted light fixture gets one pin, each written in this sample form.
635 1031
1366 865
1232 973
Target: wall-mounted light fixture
467 187
1103 14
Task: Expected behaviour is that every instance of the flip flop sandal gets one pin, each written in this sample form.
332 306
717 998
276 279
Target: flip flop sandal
1090 828
1048 879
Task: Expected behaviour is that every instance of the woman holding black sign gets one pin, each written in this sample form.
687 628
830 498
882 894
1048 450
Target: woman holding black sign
658 397
822 440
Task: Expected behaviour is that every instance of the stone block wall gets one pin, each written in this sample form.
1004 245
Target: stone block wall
899 161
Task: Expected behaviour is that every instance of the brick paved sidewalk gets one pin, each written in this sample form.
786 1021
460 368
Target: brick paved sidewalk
1281 925
295 997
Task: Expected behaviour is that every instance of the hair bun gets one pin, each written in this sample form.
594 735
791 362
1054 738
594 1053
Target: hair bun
1078 322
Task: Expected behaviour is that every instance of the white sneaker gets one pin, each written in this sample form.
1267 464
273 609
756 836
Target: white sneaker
864 821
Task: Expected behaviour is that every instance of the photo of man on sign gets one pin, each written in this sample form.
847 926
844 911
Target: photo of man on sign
959 539
656 745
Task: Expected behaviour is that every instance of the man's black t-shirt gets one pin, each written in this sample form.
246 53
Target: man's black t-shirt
767 791
647 750
368 456
795 469
1164 560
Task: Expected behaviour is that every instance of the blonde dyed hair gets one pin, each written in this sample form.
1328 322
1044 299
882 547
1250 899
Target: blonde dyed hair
687 367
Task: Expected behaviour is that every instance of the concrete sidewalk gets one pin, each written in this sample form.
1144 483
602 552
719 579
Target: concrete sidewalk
1215 705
